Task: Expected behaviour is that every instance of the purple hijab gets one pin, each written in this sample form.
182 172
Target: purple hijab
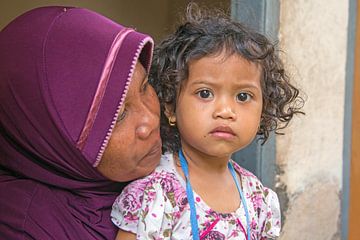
64 74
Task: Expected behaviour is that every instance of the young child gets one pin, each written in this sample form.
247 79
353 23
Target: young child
220 84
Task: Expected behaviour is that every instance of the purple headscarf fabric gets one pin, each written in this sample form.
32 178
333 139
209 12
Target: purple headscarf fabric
64 73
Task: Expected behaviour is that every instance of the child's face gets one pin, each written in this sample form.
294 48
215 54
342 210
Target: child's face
219 106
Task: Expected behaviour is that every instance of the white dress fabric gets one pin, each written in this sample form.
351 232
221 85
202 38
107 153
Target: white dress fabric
156 207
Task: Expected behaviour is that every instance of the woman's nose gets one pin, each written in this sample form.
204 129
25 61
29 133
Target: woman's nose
150 119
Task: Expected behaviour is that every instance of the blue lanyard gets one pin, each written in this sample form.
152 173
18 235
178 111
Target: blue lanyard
248 230
190 196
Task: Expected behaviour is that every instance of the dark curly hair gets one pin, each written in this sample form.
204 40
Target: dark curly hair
206 33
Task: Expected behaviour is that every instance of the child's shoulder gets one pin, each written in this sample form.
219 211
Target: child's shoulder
164 173
249 178
253 186
243 172
163 183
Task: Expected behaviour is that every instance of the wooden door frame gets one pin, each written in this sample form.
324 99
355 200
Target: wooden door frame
349 209
351 194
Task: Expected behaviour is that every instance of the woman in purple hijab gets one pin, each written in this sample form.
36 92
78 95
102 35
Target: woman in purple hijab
77 118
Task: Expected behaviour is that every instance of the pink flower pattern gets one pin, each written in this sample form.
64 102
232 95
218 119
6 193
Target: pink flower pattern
156 207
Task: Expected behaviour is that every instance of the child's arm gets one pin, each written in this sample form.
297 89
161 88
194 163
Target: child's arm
123 235
270 215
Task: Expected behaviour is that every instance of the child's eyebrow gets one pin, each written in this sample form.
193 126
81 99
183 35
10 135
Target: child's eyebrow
248 85
245 84
202 82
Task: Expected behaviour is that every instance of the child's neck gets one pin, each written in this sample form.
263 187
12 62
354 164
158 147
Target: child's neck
202 163
212 180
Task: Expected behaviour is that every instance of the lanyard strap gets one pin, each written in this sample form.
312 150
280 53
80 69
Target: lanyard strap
248 230
190 196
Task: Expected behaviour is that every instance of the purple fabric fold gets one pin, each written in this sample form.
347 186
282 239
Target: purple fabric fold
51 63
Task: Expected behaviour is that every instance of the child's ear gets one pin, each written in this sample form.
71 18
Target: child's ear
169 113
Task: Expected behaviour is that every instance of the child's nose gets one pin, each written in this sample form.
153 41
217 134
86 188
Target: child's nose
225 110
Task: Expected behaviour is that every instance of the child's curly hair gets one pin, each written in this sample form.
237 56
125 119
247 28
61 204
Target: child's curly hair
209 33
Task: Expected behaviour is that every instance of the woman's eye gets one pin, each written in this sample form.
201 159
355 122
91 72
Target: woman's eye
122 114
204 94
243 97
144 86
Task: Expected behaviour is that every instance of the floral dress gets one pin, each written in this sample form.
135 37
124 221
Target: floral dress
156 207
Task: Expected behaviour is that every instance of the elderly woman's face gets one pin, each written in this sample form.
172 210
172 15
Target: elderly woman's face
134 148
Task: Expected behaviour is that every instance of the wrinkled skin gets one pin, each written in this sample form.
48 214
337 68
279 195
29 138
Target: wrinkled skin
134 149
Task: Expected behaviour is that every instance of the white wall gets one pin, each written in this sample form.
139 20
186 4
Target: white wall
313 35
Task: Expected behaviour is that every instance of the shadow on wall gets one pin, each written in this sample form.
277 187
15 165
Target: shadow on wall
156 18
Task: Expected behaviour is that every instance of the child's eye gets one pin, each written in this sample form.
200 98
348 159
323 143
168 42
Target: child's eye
243 97
205 93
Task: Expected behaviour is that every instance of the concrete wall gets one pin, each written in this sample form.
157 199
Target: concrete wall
313 35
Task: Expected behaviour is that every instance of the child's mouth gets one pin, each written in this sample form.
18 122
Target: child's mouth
224 132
